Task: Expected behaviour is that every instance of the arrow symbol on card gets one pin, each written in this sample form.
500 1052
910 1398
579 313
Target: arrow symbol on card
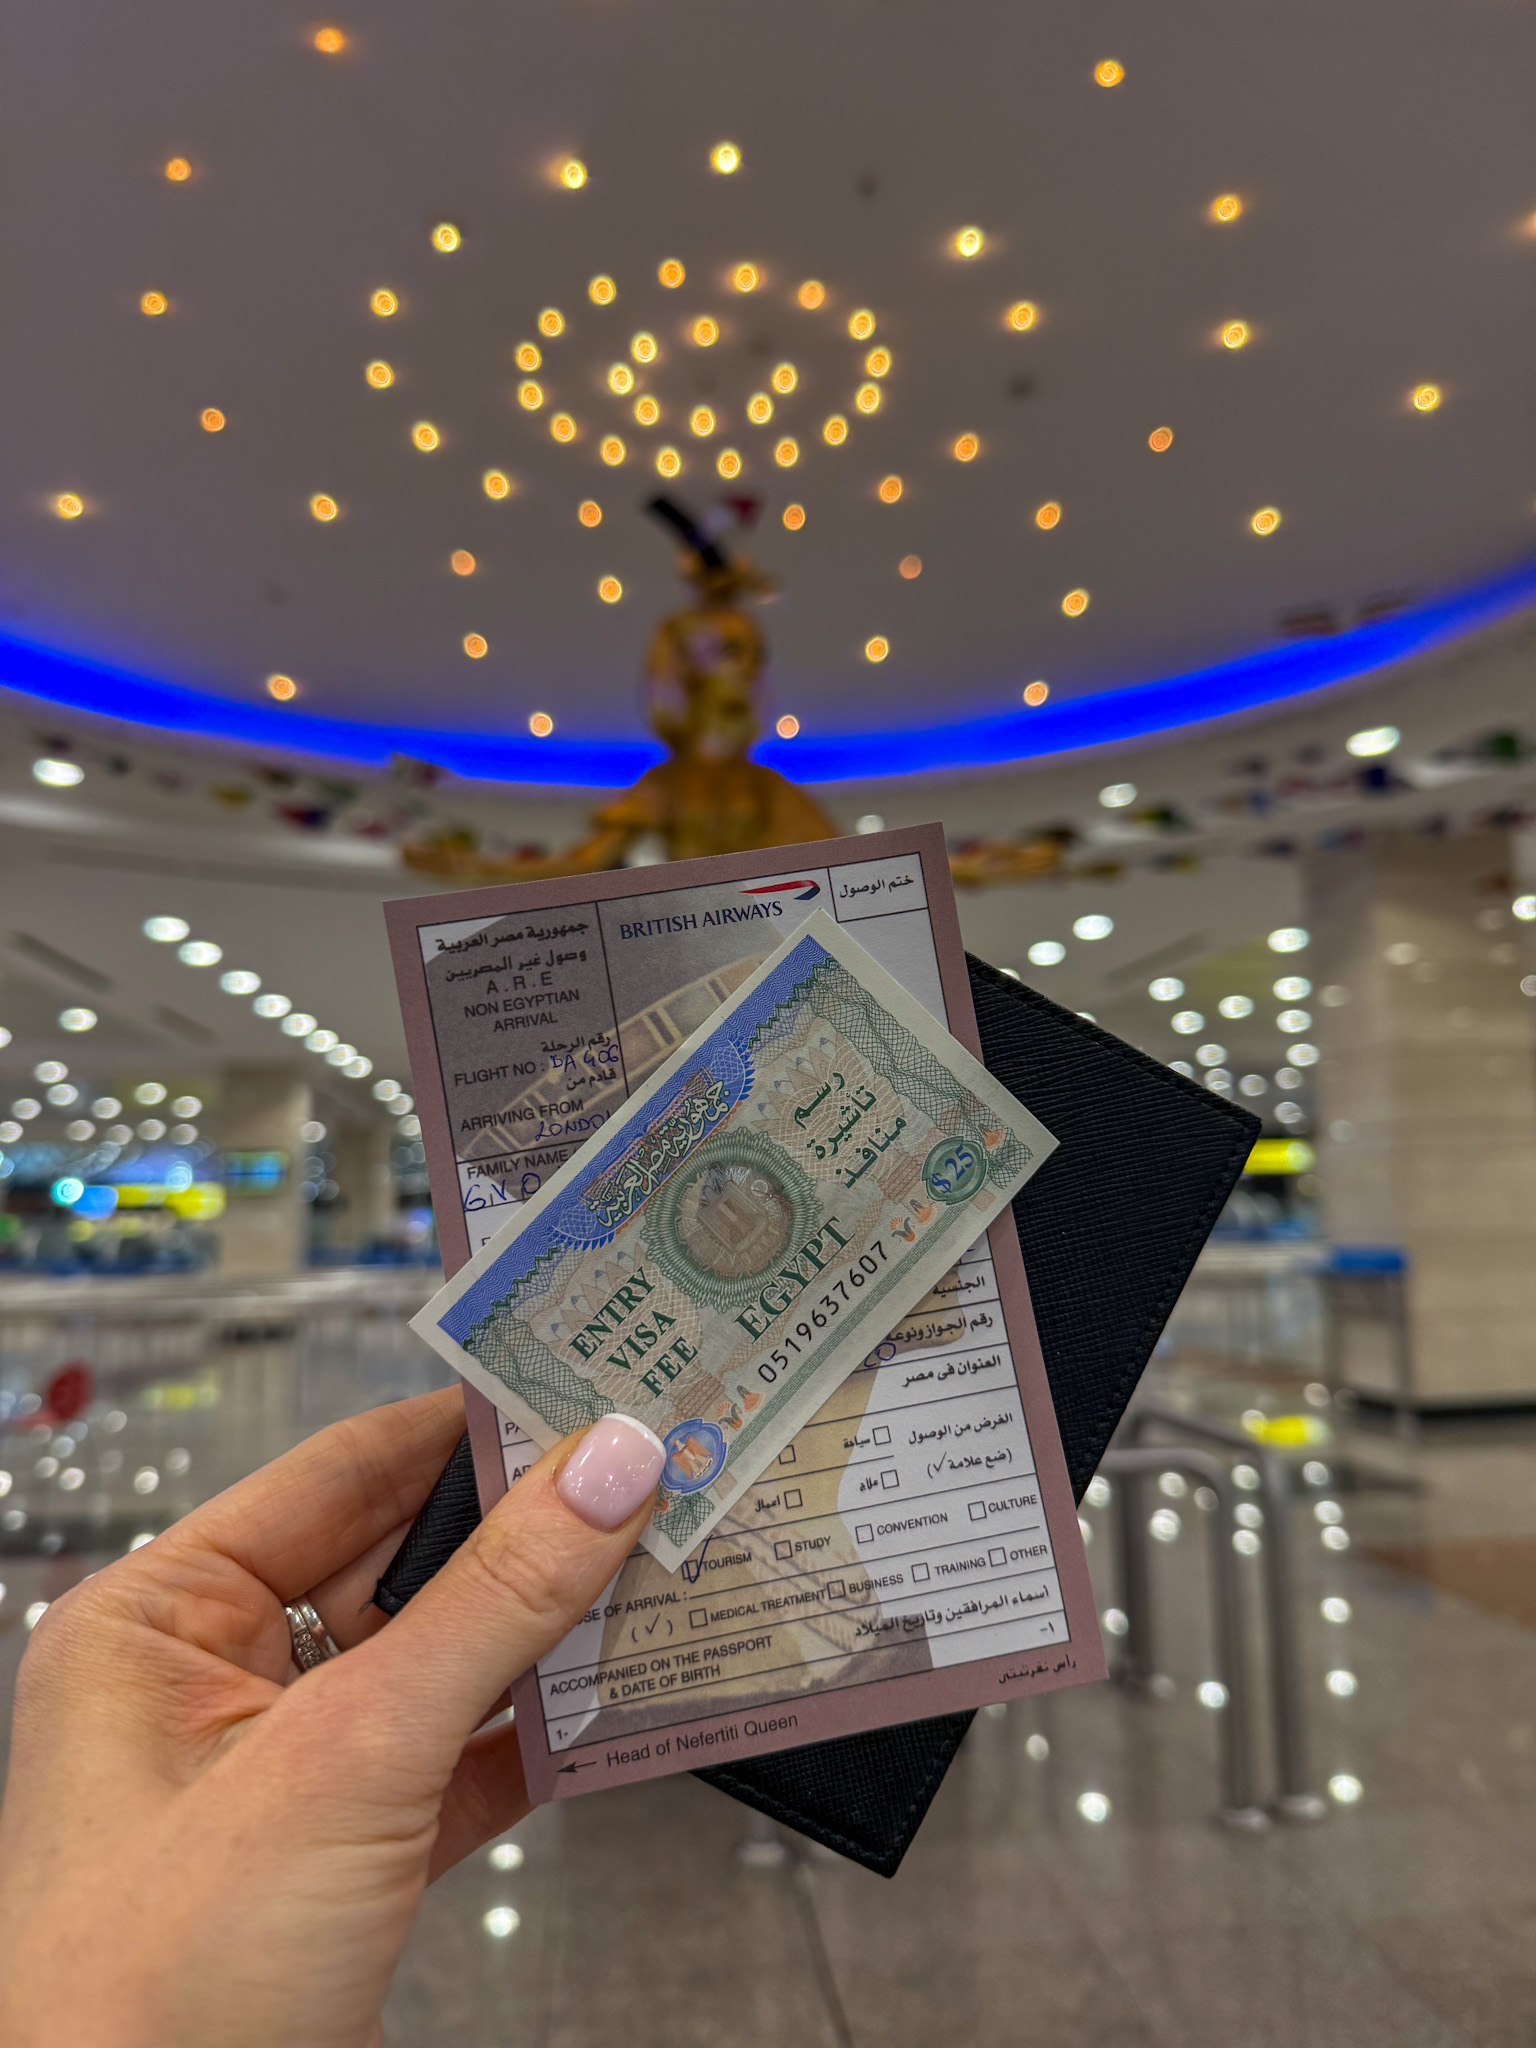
591 1765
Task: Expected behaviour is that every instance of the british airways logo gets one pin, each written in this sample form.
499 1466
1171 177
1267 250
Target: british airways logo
797 892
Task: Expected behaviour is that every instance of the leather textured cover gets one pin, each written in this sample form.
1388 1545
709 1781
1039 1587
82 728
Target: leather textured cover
1110 1227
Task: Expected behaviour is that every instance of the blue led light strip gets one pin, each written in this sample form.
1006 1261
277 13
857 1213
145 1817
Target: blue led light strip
1103 718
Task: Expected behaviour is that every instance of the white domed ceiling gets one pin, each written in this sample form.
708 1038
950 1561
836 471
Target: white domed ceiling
1340 346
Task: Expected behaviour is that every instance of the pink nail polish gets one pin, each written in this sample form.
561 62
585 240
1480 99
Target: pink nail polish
611 1471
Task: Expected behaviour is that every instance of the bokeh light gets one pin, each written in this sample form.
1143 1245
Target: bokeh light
1075 603
283 688
794 517
379 375
812 294
966 448
383 303
876 648
1048 515
787 453
612 450
602 291
541 725
476 646
551 322
787 726
1035 694
589 512
1160 440
445 238
496 484
910 567
610 590
725 158
889 489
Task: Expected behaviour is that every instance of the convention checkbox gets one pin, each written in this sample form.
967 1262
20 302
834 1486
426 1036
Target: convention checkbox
882 1435
998 1554
787 1455
698 1617
920 1575
793 1497
890 1479
978 1511
783 1552
863 1533
836 1590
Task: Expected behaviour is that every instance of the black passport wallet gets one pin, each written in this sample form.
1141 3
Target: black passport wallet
1110 1227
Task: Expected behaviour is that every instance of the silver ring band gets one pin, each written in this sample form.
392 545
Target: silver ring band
312 1640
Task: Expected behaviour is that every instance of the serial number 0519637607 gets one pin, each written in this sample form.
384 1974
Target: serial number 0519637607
799 1340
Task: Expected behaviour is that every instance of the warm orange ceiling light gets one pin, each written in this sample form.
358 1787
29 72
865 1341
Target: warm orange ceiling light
787 726
211 420
612 451
462 562
446 238
787 453
153 303
1226 206
702 421
669 462
573 174
1036 693
529 355
969 242
496 484
425 436
867 398
1075 603
759 408
785 378
728 463
1048 515
967 448
861 325
794 517
178 170
812 294
878 361
647 411
835 431
1265 520
530 395
725 158
602 291
541 725
889 489
1022 314
643 348
621 378
1425 397
705 332
323 508
1160 440
68 505
330 42
876 648
610 590
384 303
283 688
746 277
563 427
910 567
1234 334
671 273
476 646
589 512
1109 72
551 323
379 375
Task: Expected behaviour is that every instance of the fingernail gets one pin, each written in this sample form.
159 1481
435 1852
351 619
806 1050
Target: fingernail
612 1471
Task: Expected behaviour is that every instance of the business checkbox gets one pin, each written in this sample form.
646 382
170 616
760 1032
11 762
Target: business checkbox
863 1533
882 1434
890 1479
920 1575
836 1590
783 1552
787 1455
698 1617
998 1554
978 1511
793 1497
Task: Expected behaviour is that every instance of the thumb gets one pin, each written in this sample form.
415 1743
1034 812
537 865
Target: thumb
510 1593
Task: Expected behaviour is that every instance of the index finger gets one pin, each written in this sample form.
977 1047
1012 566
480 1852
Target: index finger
308 1513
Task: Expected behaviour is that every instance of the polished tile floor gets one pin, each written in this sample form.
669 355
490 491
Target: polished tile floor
669 1915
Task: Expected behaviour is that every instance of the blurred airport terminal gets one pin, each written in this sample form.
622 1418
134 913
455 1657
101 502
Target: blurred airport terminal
1119 427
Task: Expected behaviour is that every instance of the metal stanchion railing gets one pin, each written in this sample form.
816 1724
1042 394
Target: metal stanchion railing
1240 1807
1287 1683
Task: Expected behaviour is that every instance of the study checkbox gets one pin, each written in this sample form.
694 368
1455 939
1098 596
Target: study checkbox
998 1554
920 1575
863 1533
882 1435
836 1590
698 1617
890 1479
978 1511
787 1455
783 1552
793 1497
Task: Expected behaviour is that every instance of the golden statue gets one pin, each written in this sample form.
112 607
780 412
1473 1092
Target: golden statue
702 676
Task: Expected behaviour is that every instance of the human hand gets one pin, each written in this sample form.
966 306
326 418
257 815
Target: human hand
200 1846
